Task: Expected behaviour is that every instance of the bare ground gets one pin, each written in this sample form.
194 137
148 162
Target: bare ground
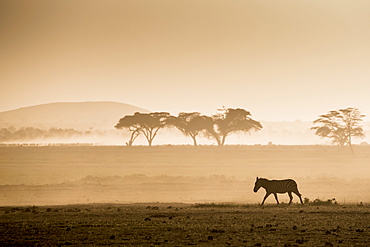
185 224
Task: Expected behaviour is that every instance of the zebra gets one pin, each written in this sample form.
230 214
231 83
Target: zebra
277 186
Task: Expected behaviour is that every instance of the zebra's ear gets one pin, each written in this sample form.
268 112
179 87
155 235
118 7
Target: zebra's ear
257 178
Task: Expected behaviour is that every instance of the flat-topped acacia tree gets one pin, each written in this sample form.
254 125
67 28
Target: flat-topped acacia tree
147 124
131 124
228 121
190 124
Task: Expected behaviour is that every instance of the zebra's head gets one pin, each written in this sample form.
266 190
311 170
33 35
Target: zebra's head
257 185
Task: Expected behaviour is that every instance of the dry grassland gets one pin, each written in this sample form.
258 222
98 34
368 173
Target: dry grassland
52 175
220 180
184 225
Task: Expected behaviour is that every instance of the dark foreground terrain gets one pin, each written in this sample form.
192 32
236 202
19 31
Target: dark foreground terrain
183 224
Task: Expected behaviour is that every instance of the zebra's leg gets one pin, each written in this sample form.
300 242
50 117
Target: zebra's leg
267 194
276 198
299 195
290 196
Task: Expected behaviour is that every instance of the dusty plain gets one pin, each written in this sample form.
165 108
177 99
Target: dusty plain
183 225
59 175
181 195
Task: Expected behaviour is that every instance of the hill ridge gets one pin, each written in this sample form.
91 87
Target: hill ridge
70 102
89 114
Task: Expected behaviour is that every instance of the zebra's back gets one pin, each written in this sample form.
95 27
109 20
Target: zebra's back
282 186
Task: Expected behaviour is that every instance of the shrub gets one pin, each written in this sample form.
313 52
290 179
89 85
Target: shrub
319 202
306 200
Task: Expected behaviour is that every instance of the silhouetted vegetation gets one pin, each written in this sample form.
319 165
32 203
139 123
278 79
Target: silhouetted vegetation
319 202
147 124
340 126
27 134
218 127
191 124
130 123
229 121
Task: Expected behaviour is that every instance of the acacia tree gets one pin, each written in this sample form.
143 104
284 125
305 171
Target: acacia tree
131 124
340 126
229 121
147 124
190 124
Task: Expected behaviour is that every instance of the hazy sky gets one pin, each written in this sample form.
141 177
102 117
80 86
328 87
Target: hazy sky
281 60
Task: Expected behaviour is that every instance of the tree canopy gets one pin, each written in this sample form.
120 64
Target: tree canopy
340 125
191 124
147 124
229 121
131 124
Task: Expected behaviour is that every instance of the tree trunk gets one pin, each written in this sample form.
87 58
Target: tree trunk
215 136
350 145
219 143
194 141
223 140
133 136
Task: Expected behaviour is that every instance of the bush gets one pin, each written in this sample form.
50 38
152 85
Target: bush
306 200
319 202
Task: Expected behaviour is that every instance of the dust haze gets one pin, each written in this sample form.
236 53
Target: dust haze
278 133
84 160
70 174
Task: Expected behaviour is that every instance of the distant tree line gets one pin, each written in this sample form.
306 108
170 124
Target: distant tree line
193 124
30 133
338 125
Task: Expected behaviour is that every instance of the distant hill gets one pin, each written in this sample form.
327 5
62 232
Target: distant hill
78 115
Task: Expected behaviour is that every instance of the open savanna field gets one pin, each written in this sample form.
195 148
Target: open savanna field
183 225
182 195
59 175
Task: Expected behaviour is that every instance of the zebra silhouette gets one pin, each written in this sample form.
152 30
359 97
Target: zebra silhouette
277 186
